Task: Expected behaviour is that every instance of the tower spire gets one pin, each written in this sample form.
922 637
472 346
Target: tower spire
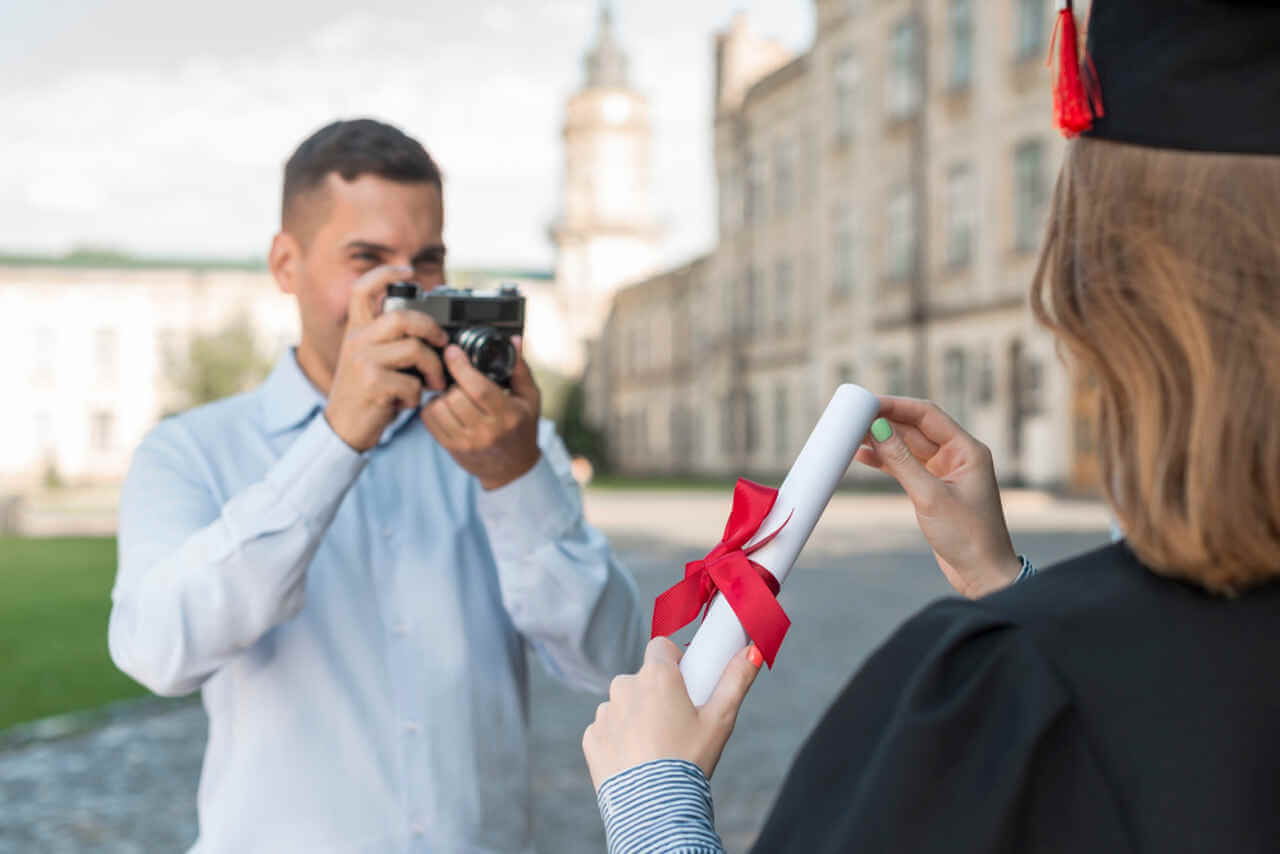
606 63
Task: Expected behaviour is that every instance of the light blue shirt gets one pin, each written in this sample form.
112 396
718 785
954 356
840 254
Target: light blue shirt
357 623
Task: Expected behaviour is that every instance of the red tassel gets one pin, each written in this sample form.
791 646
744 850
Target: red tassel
1076 101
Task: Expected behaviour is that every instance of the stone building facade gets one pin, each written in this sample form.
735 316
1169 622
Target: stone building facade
881 204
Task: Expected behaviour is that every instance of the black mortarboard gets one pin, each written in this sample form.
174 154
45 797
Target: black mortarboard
1196 75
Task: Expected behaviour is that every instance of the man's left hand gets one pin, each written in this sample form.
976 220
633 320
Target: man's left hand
490 433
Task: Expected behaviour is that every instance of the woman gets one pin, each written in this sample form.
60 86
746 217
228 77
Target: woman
1128 699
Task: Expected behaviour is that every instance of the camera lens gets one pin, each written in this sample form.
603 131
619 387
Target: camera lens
490 353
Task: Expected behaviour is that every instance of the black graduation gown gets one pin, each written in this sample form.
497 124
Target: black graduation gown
1095 707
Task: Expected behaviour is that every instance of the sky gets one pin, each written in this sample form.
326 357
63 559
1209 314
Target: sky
161 128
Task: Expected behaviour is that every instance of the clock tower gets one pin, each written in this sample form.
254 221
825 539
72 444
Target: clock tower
606 234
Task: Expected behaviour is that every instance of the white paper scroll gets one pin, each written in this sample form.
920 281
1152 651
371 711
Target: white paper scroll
803 496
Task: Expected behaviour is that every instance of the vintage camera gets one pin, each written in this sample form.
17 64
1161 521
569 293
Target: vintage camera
482 323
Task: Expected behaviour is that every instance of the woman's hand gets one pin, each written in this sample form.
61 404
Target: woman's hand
950 478
650 716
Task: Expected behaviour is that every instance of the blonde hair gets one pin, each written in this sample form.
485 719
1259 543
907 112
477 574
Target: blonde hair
1160 276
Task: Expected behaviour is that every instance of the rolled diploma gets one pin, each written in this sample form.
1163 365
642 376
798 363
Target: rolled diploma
803 496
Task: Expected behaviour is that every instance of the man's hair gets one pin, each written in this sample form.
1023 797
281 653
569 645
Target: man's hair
353 148
1161 276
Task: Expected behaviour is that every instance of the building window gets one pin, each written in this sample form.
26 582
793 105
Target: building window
728 431
1031 24
844 253
44 433
784 178
955 385
731 201
752 437
753 191
44 354
106 355
781 438
751 303
784 295
895 376
739 429
1032 387
903 80
986 387
848 79
960 19
961 216
900 242
102 430
1030 195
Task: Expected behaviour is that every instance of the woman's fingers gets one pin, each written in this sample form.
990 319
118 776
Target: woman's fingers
897 458
721 711
934 424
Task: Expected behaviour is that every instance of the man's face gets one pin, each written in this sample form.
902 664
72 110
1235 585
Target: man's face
356 226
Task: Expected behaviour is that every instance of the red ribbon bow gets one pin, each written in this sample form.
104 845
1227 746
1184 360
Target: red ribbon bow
750 589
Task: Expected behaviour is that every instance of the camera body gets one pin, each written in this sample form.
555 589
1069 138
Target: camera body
482 323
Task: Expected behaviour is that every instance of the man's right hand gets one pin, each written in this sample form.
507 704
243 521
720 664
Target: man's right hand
368 389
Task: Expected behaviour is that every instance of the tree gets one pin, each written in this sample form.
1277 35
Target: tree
218 364
579 436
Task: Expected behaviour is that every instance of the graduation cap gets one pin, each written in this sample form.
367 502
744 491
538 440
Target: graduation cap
1194 75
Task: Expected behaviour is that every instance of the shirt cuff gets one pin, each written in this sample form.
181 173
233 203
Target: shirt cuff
529 512
664 805
315 473
1028 569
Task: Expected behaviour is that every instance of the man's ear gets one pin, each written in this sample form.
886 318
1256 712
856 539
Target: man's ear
285 261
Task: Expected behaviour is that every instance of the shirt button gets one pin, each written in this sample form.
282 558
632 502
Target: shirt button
400 628
388 532
418 830
411 727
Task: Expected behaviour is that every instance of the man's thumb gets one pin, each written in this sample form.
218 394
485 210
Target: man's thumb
522 383
896 458
732 688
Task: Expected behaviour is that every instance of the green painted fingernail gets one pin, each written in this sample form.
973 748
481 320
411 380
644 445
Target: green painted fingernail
880 429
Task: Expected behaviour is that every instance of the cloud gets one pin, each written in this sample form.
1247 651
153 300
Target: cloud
182 153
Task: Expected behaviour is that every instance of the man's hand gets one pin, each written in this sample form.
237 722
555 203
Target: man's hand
491 434
367 389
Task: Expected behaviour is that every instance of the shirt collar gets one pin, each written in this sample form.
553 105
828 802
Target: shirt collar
290 400
288 397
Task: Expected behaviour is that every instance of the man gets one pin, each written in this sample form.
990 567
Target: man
353 593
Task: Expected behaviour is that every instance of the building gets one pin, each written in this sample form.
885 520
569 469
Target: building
606 234
93 349
881 203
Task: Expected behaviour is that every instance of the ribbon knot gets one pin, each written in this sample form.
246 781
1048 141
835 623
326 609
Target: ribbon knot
750 589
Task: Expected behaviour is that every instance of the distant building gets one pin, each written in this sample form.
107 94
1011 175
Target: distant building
606 234
91 348
881 204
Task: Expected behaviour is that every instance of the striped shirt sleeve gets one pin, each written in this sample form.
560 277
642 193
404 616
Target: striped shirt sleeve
660 807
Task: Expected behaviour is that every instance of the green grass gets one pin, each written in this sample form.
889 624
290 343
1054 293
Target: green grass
55 596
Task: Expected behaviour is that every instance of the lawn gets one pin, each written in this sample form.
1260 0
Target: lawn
55 595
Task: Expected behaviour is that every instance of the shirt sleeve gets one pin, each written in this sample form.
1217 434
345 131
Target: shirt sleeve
956 735
661 807
562 585
198 582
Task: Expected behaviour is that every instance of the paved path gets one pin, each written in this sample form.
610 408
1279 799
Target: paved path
130 786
